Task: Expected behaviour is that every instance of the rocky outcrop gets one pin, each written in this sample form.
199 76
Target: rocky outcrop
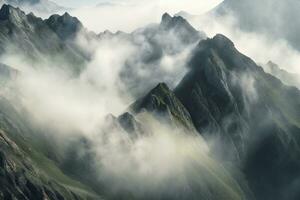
40 6
181 28
162 102
65 26
251 113
20 180
32 37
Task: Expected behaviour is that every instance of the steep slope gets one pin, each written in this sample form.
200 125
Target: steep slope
29 168
26 171
250 115
202 177
162 102
20 179
250 119
181 28
128 122
31 37
65 26
39 6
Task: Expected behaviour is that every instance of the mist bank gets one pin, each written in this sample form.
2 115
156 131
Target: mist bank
68 106
260 45
269 17
100 110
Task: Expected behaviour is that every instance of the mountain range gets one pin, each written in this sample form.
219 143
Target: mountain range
39 6
248 118
38 38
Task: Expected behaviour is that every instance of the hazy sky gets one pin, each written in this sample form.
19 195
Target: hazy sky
186 5
127 15
76 3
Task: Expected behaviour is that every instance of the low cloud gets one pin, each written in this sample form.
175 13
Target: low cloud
128 15
261 47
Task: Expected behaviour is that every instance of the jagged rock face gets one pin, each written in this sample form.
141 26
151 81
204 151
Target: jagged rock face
40 6
30 35
179 26
208 92
162 102
131 125
16 175
249 116
14 15
26 172
65 26
249 112
207 180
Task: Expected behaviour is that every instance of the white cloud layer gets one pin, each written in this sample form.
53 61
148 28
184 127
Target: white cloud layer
127 15
258 46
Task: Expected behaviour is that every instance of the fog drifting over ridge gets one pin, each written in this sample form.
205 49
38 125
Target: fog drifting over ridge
70 108
269 40
74 107
128 15
260 47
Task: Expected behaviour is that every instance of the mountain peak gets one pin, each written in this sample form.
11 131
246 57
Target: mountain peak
219 41
270 62
129 123
161 87
8 12
161 101
65 26
167 21
159 90
66 18
222 41
222 51
40 6
180 27
66 15
166 17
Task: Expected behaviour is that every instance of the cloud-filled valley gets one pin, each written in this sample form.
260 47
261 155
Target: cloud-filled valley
158 106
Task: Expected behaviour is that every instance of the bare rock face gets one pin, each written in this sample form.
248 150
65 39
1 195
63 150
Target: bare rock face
20 180
181 27
163 103
26 171
65 26
34 37
250 119
40 6
233 100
